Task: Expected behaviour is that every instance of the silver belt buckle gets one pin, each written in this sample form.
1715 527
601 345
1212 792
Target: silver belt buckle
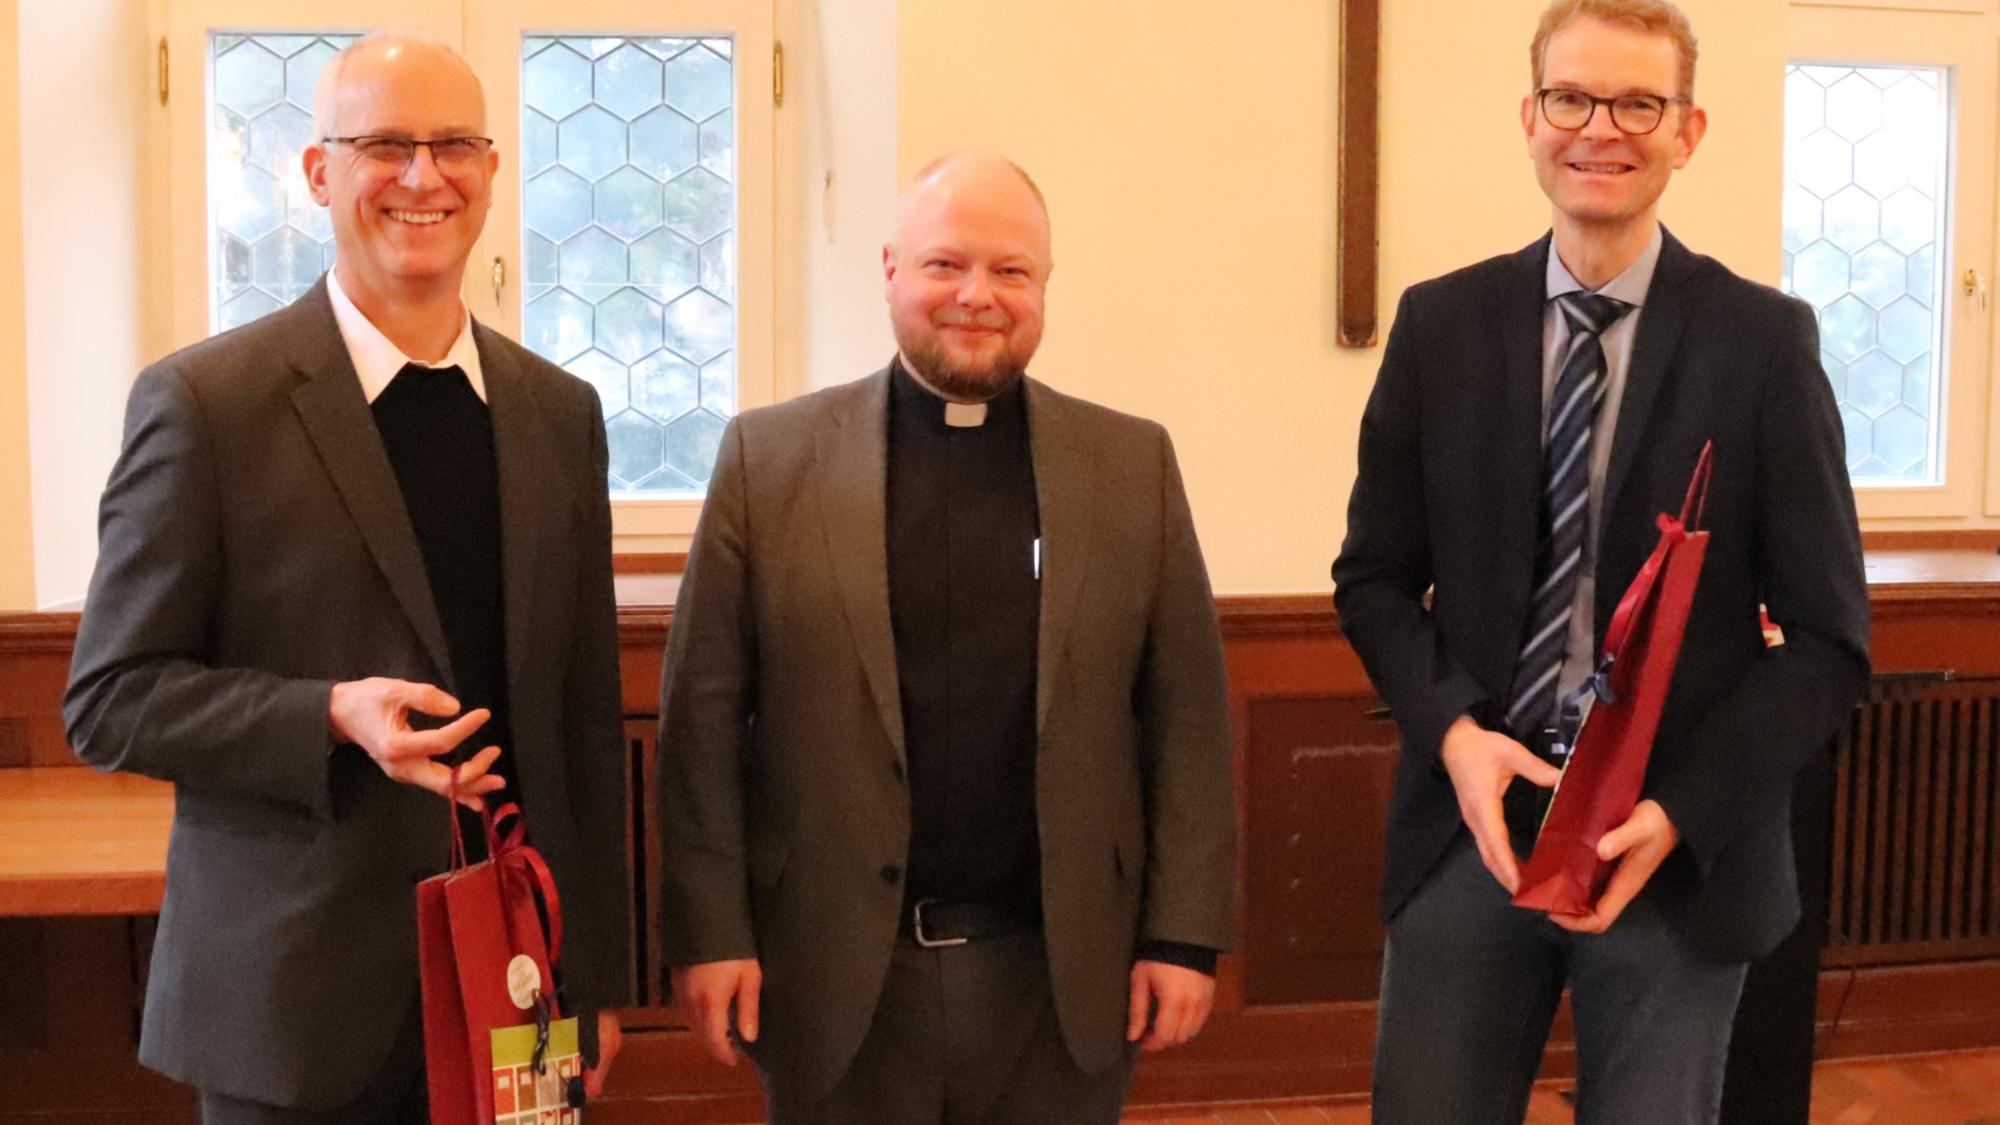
924 940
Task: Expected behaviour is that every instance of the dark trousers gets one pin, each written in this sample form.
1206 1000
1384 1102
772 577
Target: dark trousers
964 1036
398 1095
1470 985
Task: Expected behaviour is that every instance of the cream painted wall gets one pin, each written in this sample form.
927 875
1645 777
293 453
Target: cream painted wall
1187 153
85 84
17 559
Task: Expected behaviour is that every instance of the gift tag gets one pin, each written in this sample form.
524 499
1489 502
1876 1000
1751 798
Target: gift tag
524 981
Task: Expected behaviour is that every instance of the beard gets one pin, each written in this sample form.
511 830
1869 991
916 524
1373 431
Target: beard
934 366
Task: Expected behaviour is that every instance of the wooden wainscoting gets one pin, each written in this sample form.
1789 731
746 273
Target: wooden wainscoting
1912 965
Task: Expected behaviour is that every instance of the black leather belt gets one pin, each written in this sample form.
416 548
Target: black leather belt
936 924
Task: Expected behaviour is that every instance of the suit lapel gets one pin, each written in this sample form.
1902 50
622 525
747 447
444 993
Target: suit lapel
530 496
1661 321
337 420
852 468
1520 464
1064 466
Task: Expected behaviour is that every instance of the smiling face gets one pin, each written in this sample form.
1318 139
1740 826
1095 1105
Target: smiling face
400 233
965 277
1597 176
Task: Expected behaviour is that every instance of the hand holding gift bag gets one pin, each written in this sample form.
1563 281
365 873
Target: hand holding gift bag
497 1048
1606 766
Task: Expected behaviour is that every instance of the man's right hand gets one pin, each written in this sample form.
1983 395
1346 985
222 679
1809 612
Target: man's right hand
1482 763
705 993
374 714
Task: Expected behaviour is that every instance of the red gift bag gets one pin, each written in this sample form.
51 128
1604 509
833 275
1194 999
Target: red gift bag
1603 774
486 967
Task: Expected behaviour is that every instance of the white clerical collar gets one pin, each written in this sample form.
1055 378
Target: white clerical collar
377 360
960 415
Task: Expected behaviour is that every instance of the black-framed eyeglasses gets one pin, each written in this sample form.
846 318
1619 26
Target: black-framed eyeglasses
1635 115
450 154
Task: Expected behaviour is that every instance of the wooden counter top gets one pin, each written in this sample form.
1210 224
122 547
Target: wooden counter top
74 841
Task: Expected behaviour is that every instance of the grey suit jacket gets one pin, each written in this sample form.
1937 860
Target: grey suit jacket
255 549
786 821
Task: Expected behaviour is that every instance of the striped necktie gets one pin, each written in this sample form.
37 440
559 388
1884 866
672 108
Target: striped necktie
1578 391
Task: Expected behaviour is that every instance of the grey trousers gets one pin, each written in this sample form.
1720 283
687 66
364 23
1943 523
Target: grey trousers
1470 984
964 1036
398 1095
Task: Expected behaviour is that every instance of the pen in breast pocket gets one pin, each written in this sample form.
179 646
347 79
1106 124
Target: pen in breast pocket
1038 558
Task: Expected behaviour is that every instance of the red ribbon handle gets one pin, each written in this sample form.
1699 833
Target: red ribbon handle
1672 531
508 845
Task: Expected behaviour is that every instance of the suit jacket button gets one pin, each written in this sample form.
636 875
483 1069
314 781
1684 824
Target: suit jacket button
891 873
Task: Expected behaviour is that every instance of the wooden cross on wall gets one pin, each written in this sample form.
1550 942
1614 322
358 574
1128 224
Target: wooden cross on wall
1355 240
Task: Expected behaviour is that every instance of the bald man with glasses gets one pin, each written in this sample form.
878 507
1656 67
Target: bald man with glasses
348 549
1532 416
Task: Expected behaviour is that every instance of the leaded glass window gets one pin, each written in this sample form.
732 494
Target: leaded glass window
270 241
629 216
1864 227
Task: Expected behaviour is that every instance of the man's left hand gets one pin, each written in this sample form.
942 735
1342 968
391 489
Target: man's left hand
1645 840
1177 999
609 1038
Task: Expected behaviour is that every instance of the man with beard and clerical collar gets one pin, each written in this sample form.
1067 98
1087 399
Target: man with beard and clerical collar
949 827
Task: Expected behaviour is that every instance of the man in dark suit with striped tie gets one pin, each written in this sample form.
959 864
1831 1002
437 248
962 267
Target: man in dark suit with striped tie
1533 414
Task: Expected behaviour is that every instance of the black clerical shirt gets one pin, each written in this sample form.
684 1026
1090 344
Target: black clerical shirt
965 598
965 605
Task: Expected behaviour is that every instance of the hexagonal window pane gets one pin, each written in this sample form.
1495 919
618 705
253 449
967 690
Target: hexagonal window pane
699 205
1909 220
718 144
607 375
628 203
557 326
1802 217
1836 374
665 264
539 140
698 83
718 266
248 78
557 204
285 264
1874 383
718 385
1860 438
250 203
638 446
1853 107
234 258
592 264
1805 105
692 442
1904 330
628 81
556 80
1847 328
277 137
302 72
1819 274
1851 217
700 327
592 142
1879 274
665 386
1882 163
1901 442
628 325
1917 384
541 259
664 143
1822 163
1923 265
244 308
